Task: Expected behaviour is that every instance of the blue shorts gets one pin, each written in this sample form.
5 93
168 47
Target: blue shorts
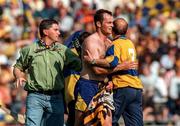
85 90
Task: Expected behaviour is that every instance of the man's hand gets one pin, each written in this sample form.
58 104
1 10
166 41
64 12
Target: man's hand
126 65
88 58
19 76
20 82
109 86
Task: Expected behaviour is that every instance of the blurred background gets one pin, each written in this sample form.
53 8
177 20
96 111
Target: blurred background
154 27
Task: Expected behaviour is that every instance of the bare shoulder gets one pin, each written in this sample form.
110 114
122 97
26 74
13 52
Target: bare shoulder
92 38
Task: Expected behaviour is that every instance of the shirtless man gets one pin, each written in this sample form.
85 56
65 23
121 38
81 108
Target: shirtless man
96 44
127 87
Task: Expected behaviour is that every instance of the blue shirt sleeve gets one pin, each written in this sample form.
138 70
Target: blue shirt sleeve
113 61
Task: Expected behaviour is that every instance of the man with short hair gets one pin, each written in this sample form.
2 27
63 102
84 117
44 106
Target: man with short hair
43 62
96 44
126 84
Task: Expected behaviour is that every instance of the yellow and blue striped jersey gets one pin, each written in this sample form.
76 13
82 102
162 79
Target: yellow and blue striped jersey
71 78
123 50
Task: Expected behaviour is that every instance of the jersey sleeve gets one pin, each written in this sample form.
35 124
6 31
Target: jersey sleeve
111 56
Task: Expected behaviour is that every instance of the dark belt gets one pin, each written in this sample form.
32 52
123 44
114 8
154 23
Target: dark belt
46 92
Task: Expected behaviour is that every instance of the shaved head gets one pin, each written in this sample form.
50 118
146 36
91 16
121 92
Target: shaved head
120 26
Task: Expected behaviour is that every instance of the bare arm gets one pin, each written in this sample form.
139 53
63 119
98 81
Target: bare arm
19 76
92 48
122 66
99 62
104 63
91 56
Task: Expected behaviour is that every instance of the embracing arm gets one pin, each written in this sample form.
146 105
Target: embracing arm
102 66
110 61
91 51
98 62
122 66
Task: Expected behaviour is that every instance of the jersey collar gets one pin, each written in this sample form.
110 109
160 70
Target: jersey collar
120 37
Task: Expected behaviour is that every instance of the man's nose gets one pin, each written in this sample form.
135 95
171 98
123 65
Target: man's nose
58 32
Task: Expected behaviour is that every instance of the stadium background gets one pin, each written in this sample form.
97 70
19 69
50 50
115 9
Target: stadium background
154 27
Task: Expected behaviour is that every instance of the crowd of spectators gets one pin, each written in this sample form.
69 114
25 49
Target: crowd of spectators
154 27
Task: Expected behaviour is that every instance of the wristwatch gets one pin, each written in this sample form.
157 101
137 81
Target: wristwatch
93 62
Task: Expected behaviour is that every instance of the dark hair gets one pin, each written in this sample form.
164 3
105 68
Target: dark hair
99 15
79 40
46 24
83 36
119 29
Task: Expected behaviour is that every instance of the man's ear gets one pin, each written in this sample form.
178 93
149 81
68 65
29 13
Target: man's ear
45 31
98 23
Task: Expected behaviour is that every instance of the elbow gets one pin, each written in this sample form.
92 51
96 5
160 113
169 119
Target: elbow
98 71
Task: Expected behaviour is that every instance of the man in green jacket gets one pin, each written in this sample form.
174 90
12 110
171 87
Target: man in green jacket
43 63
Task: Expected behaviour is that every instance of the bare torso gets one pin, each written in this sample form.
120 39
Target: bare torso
97 48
